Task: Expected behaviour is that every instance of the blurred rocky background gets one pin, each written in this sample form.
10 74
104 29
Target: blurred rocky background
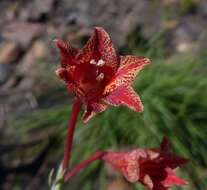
161 29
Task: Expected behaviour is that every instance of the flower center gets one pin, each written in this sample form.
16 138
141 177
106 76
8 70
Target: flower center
91 78
98 64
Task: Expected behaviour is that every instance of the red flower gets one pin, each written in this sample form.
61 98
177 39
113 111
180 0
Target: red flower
154 168
98 76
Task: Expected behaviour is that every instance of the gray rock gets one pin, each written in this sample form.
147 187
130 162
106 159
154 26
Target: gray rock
188 33
118 17
5 72
23 33
9 52
37 10
202 7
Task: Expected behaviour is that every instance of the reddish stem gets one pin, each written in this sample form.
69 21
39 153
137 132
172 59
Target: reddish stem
70 132
98 155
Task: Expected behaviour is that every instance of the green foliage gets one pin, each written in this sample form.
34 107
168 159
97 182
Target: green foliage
174 96
188 5
153 47
56 183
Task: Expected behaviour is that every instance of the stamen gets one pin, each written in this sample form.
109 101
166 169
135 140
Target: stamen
100 77
93 62
100 63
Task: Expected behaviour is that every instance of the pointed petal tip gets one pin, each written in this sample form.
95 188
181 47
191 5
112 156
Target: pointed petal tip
84 121
60 72
87 115
56 41
138 108
86 118
147 61
101 32
184 182
173 179
63 46
99 28
96 107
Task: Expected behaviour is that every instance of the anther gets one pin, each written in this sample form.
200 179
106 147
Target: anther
93 62
100 77
100 62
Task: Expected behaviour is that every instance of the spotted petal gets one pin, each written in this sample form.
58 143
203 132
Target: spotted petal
67 53
126 96
99 46
106 49
126 163
92 110
89 51
130 59
130 66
